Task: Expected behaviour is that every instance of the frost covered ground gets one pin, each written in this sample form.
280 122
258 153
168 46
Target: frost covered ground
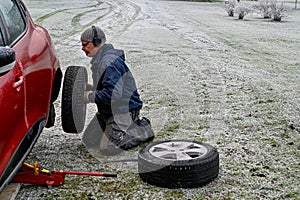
202 76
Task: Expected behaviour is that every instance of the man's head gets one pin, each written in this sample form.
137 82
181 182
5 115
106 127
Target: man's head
91 40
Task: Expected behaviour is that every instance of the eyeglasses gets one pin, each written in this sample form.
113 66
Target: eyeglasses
84 44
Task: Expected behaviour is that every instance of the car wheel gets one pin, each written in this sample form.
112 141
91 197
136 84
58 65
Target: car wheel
73 109
178 164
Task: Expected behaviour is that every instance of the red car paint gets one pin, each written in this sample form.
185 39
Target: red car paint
26 93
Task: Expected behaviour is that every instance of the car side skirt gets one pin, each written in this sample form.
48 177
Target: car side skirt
21 153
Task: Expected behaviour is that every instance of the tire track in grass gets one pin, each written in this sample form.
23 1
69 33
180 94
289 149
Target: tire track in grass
129 13
75 21
40 20
114 17
79 28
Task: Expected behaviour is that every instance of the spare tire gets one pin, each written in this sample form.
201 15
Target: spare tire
73 109
178 164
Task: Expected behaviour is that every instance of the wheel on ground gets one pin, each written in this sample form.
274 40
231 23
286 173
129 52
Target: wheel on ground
178 164
73 109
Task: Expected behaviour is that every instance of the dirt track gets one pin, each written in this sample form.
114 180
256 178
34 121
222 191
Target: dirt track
202 76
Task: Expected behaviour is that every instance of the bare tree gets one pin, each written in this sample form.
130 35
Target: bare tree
270 8
278 10
229 7
264 8
242 10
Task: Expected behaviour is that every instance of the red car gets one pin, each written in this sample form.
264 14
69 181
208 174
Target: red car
30 81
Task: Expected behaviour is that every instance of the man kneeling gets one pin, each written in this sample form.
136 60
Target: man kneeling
117 125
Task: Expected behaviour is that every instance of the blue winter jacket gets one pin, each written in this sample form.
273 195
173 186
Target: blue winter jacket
115 87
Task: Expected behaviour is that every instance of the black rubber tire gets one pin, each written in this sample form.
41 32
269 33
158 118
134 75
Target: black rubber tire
175 173
73 109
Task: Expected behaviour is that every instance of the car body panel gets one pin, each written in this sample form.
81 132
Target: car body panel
26 92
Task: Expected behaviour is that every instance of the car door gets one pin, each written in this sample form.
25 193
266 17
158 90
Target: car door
37 57
12 97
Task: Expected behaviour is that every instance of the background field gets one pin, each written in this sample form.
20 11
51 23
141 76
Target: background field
202 76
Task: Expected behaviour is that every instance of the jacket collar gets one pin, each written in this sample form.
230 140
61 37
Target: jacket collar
97 58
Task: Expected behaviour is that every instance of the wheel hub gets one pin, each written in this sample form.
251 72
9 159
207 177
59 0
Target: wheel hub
178 150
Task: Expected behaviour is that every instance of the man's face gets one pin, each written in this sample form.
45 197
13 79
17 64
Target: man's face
89 49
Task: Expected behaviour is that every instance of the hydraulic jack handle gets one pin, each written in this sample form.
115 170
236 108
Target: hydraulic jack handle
32 174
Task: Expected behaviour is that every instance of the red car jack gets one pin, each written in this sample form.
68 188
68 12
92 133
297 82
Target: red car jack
33 174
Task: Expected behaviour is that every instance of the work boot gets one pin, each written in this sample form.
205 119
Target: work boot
140 131
146 124
123 140
109 145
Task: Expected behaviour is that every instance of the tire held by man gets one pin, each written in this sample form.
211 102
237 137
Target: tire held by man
73 108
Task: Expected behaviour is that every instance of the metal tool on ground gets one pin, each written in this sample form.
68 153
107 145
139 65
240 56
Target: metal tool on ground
121 160
33 174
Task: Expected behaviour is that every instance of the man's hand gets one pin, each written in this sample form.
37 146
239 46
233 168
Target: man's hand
89 87
86 97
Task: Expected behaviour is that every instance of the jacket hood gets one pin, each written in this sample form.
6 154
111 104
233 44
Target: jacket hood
110 51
